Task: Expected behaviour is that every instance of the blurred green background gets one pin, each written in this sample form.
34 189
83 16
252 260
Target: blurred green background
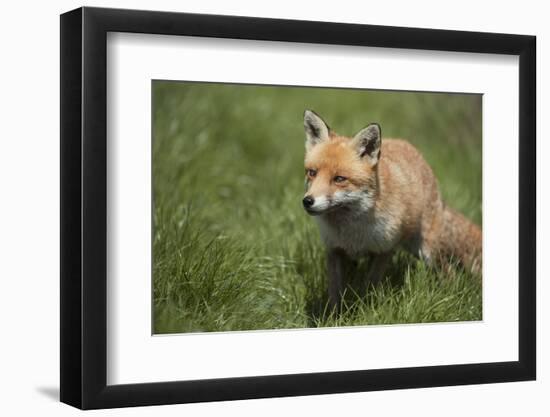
234 250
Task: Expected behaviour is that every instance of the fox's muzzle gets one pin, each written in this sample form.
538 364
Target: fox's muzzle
308 201
316 205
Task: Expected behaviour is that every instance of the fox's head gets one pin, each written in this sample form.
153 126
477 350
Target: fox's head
341 172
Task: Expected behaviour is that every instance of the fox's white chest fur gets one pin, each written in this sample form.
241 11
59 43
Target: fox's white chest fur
357 233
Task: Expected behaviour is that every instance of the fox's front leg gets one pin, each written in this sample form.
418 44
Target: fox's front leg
335 267
378 268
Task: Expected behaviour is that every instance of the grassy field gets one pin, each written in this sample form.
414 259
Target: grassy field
234 250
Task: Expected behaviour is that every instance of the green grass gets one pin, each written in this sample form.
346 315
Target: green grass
233 248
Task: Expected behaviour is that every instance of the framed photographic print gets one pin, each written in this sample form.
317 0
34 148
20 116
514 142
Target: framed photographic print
258 207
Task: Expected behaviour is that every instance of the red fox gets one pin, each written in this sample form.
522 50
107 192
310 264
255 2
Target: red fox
371 196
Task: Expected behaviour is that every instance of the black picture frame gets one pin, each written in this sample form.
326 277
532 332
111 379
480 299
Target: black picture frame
84 207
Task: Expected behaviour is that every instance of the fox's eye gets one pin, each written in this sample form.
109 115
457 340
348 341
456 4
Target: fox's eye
311 172
339 178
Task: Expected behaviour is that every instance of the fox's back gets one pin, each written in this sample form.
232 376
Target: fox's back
430 228
407 185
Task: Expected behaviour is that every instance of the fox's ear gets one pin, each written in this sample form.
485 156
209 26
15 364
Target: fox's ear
368 142
316 129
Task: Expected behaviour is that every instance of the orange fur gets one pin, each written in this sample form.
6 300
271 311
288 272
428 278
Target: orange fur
389 198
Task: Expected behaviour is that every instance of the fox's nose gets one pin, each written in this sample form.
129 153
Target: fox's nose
308 201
